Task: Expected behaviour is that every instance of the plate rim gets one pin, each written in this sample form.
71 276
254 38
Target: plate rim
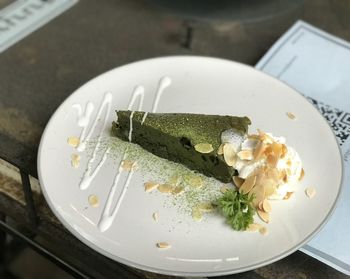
168 271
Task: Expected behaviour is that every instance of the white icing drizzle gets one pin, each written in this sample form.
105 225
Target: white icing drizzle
164 82
139 91
84 120
90 173
108 215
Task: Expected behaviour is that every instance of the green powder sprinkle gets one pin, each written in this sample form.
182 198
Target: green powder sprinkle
198 188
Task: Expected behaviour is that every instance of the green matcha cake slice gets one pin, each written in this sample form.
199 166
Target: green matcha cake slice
190 139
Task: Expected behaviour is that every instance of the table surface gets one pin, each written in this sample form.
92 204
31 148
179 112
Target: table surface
40 71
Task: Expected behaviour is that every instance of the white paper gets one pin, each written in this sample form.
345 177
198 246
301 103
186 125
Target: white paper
317 64
22 17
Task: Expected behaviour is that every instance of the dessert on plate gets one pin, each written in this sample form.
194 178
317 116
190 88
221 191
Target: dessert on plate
190 139
261 166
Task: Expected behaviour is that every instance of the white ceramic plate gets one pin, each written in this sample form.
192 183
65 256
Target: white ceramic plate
207 248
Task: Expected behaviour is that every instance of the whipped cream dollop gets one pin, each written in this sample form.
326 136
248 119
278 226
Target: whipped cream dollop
277 167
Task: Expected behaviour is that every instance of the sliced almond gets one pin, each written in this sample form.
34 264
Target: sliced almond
163 245
206 207
276 149
150 186
291 115
155 216
259 150
174 180
224 189
165 188
247 185
253 227
93 201
261 175
229 154
259 194
196 214
272 160
221 149
177 190
264 216
245 155
263 231
284 151
302 174
260 205
73 141
273 174
270 187
75 160
237 181
266 206
203 148
128 165
194 180
310 192
288 195
265 137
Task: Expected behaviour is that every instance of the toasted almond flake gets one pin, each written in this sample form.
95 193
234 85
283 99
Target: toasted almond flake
302 174
277 149
229 154
237 181
203 147
196 214
265 137
268 150
93 201
165 188
150 186
284 151
259 150
194 180
155 216
253 227
224 189
282 174
260 175
163 245
75 160
128 165
206 207
266 206
263 231
174 180
272 160
270 187
73 141
288 195
259 194
273 174
264 216
245 155
177 190
221 149
247 185
290 115
310 192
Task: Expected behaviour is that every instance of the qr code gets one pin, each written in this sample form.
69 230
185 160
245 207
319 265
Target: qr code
339 120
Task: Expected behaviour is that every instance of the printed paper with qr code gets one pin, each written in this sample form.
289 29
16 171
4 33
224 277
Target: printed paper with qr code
317 64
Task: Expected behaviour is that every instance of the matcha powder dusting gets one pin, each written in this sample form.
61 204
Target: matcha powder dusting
189 190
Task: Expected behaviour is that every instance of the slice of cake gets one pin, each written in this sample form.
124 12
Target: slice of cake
190 139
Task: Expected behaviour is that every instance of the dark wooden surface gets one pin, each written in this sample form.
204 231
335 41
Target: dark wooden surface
40 71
